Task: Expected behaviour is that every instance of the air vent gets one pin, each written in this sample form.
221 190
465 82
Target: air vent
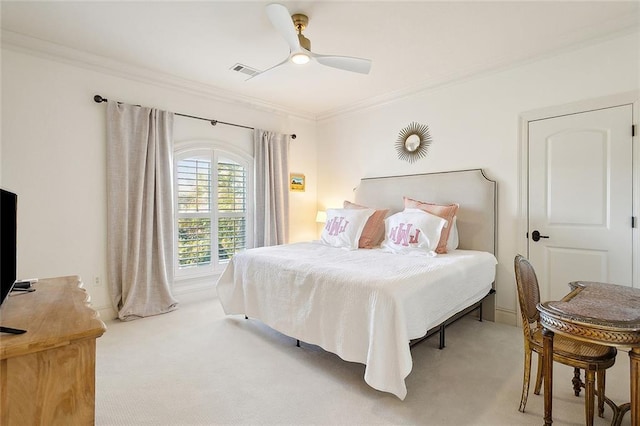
245 69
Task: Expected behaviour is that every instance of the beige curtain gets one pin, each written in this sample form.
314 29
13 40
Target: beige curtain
271 152
139 210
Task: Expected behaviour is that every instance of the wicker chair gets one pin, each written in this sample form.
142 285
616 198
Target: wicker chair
594 359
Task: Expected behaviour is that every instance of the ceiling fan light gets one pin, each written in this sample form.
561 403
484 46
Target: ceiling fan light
300 58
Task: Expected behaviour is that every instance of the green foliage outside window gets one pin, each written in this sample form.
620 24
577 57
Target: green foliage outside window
195 213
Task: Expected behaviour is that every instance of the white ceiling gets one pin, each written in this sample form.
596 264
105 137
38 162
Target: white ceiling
413 45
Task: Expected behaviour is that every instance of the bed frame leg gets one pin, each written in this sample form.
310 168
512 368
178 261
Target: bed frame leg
441 336
297 343
246 317
480 312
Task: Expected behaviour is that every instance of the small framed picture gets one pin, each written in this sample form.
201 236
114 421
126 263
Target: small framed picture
296 182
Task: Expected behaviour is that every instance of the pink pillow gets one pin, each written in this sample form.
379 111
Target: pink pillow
445 211
373 232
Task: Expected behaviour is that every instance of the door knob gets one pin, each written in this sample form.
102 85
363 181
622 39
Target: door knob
535 235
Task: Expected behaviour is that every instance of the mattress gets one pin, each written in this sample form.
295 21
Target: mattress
363 305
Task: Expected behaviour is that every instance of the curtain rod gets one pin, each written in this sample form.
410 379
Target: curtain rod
99 99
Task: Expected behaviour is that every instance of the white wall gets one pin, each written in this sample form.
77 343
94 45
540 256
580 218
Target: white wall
53 156
474 124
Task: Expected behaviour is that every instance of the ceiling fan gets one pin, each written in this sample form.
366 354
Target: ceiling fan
290 28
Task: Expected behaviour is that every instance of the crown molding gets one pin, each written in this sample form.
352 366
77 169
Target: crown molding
56 52
59 53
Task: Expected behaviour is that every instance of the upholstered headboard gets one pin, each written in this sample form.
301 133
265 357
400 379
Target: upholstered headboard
475 193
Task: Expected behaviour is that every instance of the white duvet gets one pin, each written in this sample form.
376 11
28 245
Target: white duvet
363 305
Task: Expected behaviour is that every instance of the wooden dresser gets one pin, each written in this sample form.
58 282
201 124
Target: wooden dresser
47 375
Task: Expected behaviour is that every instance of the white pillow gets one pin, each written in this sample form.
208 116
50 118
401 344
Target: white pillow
413 230
453 241
344 227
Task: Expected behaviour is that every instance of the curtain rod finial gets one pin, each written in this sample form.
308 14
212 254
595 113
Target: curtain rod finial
99 99
214 122
293 136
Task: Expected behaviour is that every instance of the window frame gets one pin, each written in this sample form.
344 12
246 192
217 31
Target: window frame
214 151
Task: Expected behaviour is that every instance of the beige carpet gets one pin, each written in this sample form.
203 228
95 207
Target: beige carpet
195 366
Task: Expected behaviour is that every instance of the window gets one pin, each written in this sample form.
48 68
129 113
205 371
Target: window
212 206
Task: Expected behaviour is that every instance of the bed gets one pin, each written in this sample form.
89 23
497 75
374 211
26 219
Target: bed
368 305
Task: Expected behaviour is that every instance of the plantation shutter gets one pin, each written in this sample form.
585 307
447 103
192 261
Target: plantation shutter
232 209
212 210
194 212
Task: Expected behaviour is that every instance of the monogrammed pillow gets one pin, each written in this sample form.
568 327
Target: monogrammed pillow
445 211
413 230
344 227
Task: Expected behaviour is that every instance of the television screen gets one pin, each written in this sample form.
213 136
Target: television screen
8 242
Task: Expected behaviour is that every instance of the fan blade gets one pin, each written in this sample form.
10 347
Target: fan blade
347 63
281 20
268 69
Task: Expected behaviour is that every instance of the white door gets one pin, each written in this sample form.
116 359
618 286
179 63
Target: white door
580 199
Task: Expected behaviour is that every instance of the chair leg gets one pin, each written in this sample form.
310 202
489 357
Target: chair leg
525 379
539 376
600 384
577 383
589 390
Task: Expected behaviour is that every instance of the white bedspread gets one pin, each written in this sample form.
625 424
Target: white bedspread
363 305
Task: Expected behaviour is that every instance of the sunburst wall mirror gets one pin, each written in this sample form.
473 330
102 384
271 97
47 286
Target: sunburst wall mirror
413 142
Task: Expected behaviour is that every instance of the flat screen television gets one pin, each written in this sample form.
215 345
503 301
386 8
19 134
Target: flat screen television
8 242
8 248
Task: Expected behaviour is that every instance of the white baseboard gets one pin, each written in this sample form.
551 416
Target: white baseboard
106 313
195 292
504 316
185 293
